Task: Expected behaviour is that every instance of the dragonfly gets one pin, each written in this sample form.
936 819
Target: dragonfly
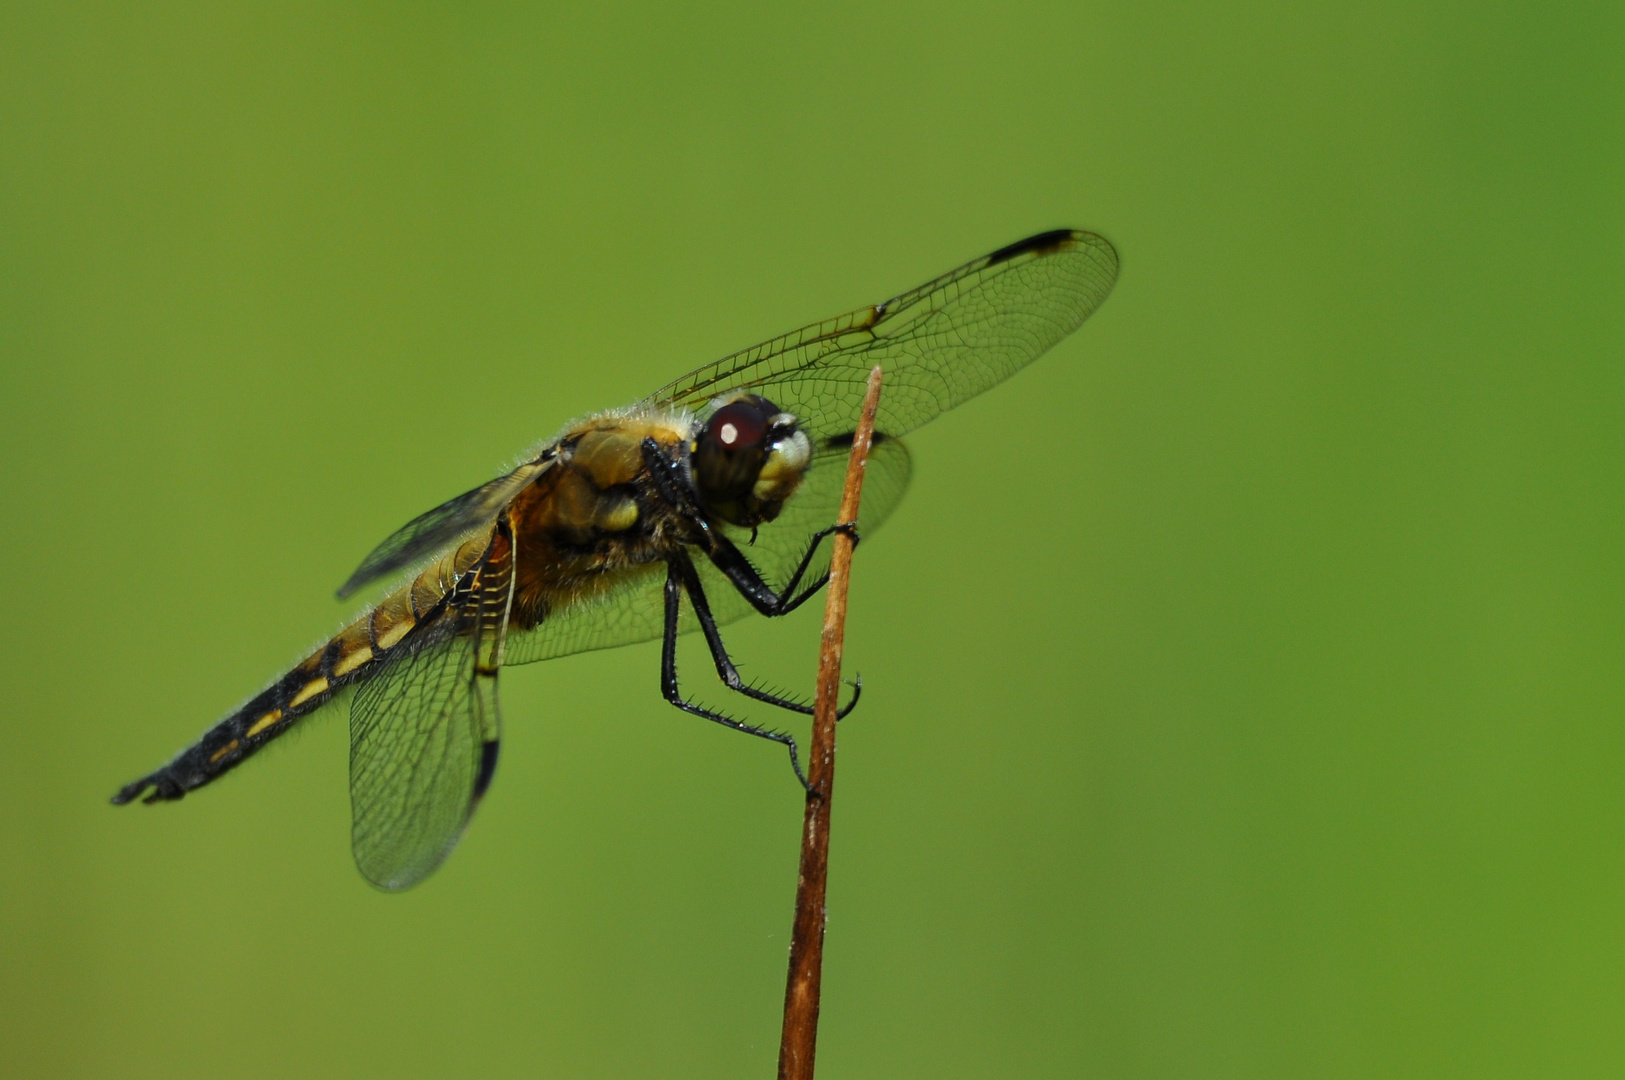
708 500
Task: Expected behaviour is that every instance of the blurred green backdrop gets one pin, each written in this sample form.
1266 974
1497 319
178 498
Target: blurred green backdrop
1244 679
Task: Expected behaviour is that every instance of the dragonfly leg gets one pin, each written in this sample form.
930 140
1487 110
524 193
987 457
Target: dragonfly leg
722 551
846 528
668 681
738 570
683 566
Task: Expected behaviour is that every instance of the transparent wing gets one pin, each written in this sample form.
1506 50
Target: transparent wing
630 607
940 344
424 731
452 520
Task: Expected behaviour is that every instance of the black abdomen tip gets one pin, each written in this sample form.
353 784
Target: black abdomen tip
164 789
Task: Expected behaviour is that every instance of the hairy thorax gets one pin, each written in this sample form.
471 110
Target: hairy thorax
594 515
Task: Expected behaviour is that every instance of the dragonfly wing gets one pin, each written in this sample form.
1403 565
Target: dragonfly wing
940 344
453 520
424 731
630 607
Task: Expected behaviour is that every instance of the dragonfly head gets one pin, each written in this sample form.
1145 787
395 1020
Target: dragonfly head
748 458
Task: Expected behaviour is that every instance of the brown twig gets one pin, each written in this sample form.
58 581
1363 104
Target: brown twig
800 1037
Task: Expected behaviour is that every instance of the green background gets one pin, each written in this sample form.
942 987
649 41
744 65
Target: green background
1244 679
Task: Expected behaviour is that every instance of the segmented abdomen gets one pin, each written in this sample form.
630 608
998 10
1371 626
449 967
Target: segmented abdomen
351 656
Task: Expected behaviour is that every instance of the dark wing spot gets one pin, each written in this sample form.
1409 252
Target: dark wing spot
836 442
488 767
1043 243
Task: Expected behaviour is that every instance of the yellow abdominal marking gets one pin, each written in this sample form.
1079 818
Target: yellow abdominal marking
223 751
390 637
354 660
312 688
264 722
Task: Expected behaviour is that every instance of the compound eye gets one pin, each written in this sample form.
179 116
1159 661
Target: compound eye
737 427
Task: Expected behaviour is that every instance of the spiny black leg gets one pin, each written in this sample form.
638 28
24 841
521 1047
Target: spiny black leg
857 691
668 681
669 482
682 565
725 555
849 528
738 570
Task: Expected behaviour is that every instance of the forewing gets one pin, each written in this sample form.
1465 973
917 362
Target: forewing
631 607
424 731
940 344
452 520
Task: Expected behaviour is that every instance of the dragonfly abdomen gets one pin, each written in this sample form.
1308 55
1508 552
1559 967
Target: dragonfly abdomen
351 656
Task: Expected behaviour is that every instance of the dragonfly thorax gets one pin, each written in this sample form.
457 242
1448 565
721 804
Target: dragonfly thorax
748 458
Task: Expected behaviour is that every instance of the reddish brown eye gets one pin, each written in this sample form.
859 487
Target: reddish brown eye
729 452
737 427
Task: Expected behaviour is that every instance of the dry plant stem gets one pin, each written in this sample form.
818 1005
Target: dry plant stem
800 1037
